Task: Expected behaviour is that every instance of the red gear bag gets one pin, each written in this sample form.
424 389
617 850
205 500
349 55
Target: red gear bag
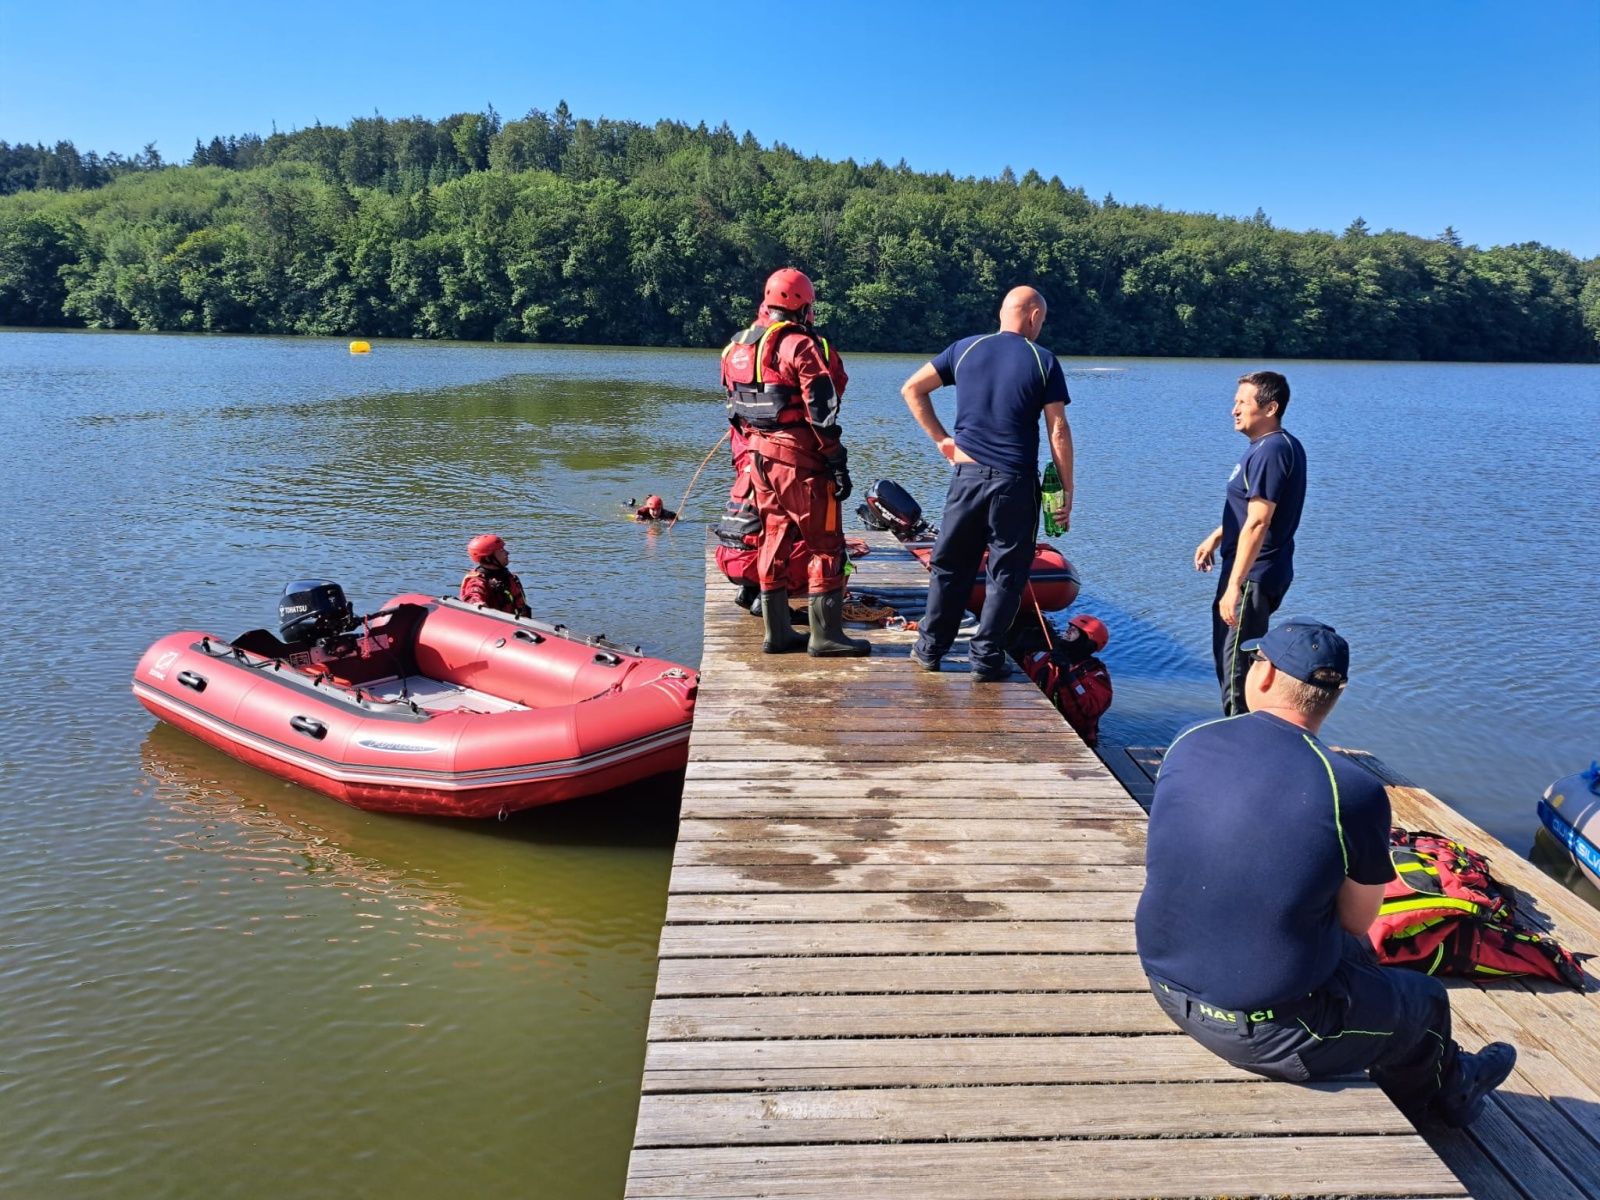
1446 915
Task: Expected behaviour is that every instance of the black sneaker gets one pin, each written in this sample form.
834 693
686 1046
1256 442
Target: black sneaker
927 664
991 674
1460 1103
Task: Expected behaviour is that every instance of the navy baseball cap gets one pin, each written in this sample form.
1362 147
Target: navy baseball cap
1306 649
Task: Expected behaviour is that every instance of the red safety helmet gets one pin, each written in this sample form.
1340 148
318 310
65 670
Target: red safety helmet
1092 628
486 547
790 290
653 502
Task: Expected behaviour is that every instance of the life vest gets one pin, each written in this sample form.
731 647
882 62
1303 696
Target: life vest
759 396
1081 692
1446 915
501 591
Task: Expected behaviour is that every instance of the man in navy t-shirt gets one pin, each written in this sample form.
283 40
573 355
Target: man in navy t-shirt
1265 494
1003 382
1265 867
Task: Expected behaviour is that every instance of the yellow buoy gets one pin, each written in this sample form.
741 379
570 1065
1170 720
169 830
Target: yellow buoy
360 348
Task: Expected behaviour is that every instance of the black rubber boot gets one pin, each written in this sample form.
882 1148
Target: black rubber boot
747 596
780 635
827 629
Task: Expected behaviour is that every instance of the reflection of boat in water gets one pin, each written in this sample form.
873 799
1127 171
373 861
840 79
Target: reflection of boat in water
1570 810
435 707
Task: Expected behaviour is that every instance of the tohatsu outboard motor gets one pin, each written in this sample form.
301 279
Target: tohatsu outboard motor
313 611
889 506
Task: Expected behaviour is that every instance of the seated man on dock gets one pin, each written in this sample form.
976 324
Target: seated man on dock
1266 864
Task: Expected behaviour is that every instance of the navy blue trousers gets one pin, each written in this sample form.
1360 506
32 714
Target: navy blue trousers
1392 1023
1257 602
984 508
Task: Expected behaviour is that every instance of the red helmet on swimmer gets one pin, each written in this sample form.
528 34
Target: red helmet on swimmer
790 290
486 547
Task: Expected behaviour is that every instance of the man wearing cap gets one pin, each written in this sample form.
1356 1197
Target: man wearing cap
1260 514
1265 866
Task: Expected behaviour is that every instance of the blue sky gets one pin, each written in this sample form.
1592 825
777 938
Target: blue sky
1414 114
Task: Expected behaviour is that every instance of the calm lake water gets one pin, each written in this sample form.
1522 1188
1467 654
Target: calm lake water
214 984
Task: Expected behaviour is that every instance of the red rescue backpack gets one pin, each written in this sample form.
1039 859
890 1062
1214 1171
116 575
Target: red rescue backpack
1446 915
1081 692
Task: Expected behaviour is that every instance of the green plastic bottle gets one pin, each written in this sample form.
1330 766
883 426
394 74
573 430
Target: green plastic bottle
1054 496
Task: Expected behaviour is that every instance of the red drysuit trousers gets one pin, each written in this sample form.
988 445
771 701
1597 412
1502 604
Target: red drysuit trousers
797 502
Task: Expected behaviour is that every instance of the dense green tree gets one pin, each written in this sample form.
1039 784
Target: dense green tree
564 229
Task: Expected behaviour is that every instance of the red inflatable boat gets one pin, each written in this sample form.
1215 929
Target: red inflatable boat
432 706
1052 581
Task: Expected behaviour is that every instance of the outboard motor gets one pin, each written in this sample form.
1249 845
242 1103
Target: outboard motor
313 611
893 508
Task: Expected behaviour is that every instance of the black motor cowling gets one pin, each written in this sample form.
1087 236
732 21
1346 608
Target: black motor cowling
896 510
313 610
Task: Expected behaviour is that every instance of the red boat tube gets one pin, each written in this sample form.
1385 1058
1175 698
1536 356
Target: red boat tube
1052 581
437 707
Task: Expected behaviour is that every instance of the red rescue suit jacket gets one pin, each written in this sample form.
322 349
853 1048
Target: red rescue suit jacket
795 358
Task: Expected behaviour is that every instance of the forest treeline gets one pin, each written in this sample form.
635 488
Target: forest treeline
556 229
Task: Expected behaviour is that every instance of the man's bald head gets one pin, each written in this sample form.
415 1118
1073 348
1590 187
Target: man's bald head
1023 311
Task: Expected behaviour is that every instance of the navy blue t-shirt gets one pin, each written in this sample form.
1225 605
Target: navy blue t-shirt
1254 827
1003 382
1273 467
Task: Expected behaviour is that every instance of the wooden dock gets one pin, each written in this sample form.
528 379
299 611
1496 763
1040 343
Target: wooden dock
1539 1139
899 962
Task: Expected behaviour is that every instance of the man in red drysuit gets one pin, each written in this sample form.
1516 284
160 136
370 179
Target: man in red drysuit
489 582
784 385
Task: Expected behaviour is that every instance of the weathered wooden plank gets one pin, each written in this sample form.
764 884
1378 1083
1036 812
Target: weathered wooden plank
1543 1096
913 829
887 974
978 907
898 721
1394 1165
701 807
707 1018
1478 1173
802 753
718 701
876 788
1519 1156
895 937
1069 848
1579 1044
1128 1110
956 877
922 1062
899 774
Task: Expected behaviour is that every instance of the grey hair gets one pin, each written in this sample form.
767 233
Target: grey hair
1307 698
